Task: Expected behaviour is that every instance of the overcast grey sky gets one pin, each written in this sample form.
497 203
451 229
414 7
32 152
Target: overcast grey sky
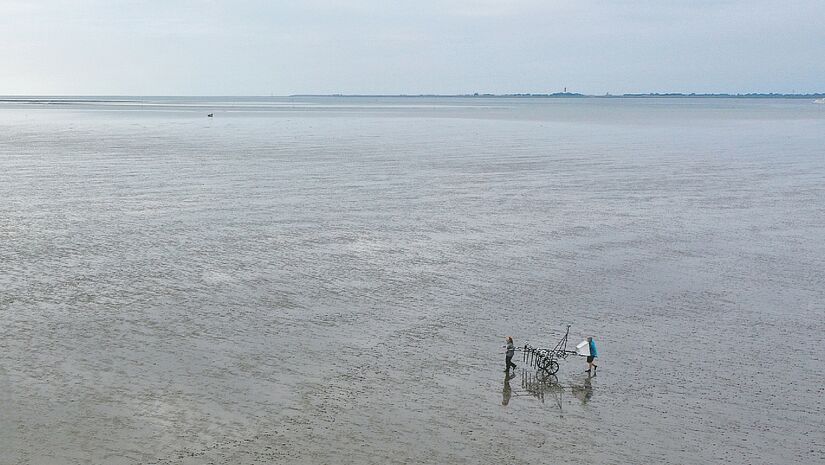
258 47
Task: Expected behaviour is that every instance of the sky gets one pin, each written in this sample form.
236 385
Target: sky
277 47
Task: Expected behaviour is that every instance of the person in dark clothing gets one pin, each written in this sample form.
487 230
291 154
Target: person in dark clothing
511 350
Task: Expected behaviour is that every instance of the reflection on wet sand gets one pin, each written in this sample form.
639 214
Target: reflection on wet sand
507 392
541 385
584 391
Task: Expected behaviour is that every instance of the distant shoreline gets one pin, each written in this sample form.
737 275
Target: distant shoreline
576 95
68 99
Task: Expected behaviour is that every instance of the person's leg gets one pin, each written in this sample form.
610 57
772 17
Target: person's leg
508 363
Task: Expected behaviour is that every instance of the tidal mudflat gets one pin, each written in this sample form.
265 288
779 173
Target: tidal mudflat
331 281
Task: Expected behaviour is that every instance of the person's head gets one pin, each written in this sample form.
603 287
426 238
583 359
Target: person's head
589 338
509 338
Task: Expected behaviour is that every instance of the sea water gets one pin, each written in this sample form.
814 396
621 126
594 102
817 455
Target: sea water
330 280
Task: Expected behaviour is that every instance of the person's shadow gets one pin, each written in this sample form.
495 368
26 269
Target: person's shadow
507 391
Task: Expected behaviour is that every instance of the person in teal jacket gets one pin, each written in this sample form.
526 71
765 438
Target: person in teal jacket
593 354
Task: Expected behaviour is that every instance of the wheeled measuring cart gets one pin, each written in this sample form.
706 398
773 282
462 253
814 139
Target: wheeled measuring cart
545 359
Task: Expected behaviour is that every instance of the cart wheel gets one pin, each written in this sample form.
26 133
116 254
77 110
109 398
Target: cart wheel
553 367
544 364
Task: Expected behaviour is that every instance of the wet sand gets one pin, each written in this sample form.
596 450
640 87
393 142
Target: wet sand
335 286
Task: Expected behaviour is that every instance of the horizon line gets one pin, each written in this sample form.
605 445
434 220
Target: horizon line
565 94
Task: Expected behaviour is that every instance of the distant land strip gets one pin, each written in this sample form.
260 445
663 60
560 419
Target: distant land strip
126 99
578 95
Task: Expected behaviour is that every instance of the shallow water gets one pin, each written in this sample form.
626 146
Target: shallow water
331 280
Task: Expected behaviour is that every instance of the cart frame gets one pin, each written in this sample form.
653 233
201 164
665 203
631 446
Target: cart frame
547 359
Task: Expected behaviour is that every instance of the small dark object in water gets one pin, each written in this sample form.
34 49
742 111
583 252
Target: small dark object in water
210 115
